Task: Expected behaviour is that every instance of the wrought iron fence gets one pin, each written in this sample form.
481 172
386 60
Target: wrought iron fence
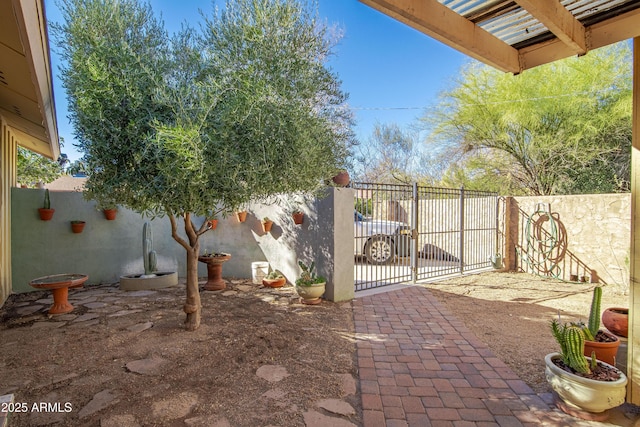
411 232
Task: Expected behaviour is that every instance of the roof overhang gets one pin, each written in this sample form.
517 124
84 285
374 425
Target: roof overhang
26 87
515 35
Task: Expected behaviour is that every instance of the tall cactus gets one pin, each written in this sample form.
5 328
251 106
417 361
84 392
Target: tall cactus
47 200
594 313
148 254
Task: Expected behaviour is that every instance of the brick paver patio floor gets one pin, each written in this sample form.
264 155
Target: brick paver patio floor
420 366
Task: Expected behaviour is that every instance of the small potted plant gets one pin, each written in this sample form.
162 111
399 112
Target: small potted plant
603 343
586 386
109 209
241 215
275 279
77 226
46 213
309 286
266 224
298 217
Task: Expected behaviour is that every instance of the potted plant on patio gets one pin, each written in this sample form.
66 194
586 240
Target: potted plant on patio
275 279
585 387
616 320
309 286
46 213
603 343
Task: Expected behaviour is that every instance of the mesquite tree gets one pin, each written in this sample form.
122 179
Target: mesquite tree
200 123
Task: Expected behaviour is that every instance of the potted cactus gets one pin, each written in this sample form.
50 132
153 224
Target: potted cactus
46 213
603 343
275 279
309 286
151 279
585 387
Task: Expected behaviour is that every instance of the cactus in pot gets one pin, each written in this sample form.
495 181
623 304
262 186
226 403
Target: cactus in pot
148 254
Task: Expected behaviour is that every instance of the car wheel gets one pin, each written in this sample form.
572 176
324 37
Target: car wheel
380 250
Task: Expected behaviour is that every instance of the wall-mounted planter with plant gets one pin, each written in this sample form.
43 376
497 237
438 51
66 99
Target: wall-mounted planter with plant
212 224
110 214
46 213
241 216
77 226
266 224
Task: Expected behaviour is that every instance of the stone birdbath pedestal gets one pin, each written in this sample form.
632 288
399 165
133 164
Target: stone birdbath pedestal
59 284
214 262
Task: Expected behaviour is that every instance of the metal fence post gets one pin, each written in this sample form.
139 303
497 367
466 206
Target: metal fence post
414 234
462 229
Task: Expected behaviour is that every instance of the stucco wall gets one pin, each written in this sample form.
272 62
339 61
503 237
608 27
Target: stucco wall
598 229
106 250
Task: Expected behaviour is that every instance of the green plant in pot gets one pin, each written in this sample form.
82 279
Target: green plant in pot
585 387
309 286
603 343
46 213
275 279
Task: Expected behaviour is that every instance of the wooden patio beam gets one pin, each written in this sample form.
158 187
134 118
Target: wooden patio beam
438 21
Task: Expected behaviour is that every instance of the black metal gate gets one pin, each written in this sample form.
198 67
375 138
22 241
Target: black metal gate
410 232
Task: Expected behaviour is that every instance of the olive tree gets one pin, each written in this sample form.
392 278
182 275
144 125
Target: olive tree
195 125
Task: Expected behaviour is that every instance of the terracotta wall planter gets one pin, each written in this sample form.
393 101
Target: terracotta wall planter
298 217
342 179
241 216
46 214
110 214
77 226
266 225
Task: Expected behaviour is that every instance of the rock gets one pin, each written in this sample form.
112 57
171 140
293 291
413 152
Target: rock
336 406
100 401
151 366
125 420
86 316
175 407
316 419
272 373
140 327
348 384
275 393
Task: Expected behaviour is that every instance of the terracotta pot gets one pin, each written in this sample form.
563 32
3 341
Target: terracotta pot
77 226
110 214
46 214
213 224
341 179
241 216
605 351
266 226
274 283
616 320
298 217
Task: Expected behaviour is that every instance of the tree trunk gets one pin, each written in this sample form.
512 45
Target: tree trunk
192 305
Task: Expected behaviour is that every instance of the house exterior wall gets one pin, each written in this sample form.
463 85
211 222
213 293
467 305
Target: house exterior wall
8 149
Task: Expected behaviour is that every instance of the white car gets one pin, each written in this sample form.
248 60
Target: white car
379 241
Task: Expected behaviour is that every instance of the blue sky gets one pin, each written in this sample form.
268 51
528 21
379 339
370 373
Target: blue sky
390 71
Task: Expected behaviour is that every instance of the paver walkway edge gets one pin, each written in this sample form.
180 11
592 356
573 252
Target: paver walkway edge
420 366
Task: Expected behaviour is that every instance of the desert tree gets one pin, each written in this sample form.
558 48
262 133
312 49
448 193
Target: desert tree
560 128
197 124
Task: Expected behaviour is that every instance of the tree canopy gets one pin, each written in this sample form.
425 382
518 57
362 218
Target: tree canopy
560 128
34 168
204 121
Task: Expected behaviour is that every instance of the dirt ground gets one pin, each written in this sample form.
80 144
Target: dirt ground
259 358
